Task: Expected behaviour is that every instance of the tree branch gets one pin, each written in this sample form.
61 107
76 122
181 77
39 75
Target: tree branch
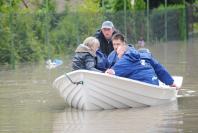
24 3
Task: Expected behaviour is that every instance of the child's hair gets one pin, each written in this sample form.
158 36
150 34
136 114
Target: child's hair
90 41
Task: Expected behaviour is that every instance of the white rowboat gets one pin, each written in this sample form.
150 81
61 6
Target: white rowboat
88 90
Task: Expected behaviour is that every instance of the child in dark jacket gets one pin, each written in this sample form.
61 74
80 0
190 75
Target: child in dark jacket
85 55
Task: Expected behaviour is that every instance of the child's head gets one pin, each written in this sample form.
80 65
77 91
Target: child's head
92 43
140 43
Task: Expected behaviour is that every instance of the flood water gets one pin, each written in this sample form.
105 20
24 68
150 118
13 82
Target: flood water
29 103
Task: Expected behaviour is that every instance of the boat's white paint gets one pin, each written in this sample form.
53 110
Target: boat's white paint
103 91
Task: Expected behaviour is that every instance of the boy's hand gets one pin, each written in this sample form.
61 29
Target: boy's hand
110 71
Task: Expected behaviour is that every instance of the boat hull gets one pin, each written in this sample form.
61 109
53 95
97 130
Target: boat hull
89 90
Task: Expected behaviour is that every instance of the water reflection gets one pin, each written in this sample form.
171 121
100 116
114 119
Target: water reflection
149 119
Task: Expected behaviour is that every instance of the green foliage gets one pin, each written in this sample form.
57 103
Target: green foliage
91 6
195 13
64 35
4 38
26 43
23 35
46 6
7 5
119 5
171 7
107 5
139 5
34 37
139 19
176 28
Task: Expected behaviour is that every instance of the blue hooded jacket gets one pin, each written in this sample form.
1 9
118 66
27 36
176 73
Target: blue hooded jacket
112 58
131 66
162 74
102 62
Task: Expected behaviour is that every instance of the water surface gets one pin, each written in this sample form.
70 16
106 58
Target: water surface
29 103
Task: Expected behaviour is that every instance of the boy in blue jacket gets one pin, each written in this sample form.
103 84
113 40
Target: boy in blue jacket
146 58
129 64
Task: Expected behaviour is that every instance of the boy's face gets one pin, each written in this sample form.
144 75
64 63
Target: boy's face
117 43
119 47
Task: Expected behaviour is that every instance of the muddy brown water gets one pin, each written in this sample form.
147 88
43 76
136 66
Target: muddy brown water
29 103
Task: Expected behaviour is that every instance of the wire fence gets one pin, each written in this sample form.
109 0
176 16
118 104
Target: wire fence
37 37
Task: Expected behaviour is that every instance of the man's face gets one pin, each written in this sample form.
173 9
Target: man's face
107 32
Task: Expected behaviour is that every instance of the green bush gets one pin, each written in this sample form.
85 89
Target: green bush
35 37
176 29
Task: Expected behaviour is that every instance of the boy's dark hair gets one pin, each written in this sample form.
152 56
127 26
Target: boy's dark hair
119 36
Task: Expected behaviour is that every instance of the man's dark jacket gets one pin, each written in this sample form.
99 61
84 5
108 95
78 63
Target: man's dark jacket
106 46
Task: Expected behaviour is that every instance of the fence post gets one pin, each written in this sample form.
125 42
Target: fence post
77 27
103 4
165 24
46 29
125 27
148 21
12 57
185 21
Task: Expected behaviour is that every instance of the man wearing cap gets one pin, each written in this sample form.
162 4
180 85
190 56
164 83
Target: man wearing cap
104 36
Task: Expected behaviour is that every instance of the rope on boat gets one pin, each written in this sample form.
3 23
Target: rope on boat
76 83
